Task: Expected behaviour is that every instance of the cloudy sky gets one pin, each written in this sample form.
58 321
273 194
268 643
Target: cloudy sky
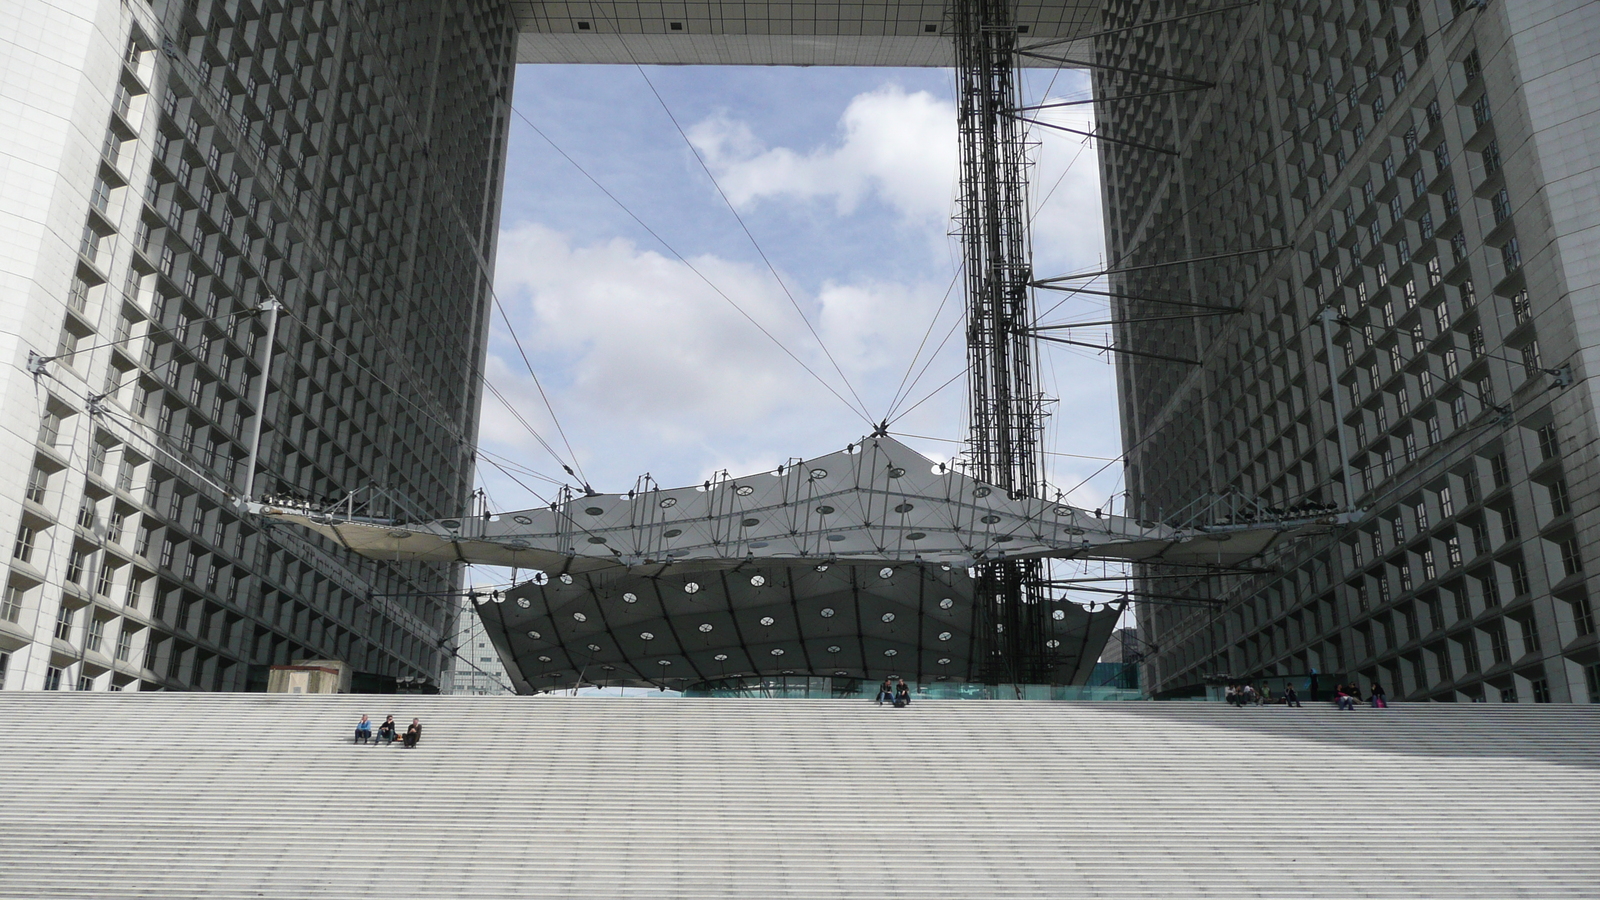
669 338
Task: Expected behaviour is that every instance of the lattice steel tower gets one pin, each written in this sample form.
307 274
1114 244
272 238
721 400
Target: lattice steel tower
993 215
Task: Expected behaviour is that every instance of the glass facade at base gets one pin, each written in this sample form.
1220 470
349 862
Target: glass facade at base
821 688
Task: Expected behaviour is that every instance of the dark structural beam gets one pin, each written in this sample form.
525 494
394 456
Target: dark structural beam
1014 617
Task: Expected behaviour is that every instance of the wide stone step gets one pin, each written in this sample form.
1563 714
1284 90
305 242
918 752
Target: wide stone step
152 795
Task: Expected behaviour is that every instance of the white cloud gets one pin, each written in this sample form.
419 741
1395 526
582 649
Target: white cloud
896 146
650 369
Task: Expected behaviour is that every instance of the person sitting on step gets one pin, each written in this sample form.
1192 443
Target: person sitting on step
363 730
386 731
413 733
885 692
902 694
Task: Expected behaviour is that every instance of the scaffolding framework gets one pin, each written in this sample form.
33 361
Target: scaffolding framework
1006 414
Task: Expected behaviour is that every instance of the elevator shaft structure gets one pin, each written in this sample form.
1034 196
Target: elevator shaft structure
1006 416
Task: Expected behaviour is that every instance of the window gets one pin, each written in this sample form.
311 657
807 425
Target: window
77 562
1571 559
22 548
63 630
1541 690
124 646
38 484
97 632
89 244
1591 675
1519 576
1499 470
1498 649
1452 548
1491 158
1511 255
52 679
1560 505
1549 443
11 604
167 549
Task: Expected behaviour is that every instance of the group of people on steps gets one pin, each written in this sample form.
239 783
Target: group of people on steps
896 693
386 732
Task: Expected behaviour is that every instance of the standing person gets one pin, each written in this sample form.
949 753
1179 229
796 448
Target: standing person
1290 698
363 730
1379 699
886 692
386 731
902 694
413 733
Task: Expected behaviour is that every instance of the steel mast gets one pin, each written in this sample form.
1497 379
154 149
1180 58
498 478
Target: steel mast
1006 451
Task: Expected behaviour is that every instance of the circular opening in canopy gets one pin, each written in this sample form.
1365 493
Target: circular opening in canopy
980 492
891 653
745 490
1052 643
905 508
672 532
768 620
579 617
1058 615
945 635
721 657
776 651
692 587
595 647
885 572
595 511
668 502
888 617
990 520
534 635
749 523
705 628
596 539
646 636
896 472
544 659
916 536
630 597
540 578
827 612
824 510
818 474
758 580
524 602
834 648
522 520
946 603
565 578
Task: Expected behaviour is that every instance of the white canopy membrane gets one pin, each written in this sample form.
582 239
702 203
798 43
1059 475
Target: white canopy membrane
875 502
849 565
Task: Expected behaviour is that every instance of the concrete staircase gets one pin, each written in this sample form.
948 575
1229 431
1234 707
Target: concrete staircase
211 795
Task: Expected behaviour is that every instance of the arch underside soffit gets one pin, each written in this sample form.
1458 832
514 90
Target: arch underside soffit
884 33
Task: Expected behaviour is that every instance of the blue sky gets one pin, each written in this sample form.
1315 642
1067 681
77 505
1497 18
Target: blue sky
846 179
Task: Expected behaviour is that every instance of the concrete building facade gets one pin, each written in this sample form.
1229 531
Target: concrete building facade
166 166
1424 172
1412 176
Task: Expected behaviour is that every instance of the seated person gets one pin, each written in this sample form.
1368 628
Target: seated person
386 731
413 733
363 730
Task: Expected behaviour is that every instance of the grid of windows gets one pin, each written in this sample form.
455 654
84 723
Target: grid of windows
1403 220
